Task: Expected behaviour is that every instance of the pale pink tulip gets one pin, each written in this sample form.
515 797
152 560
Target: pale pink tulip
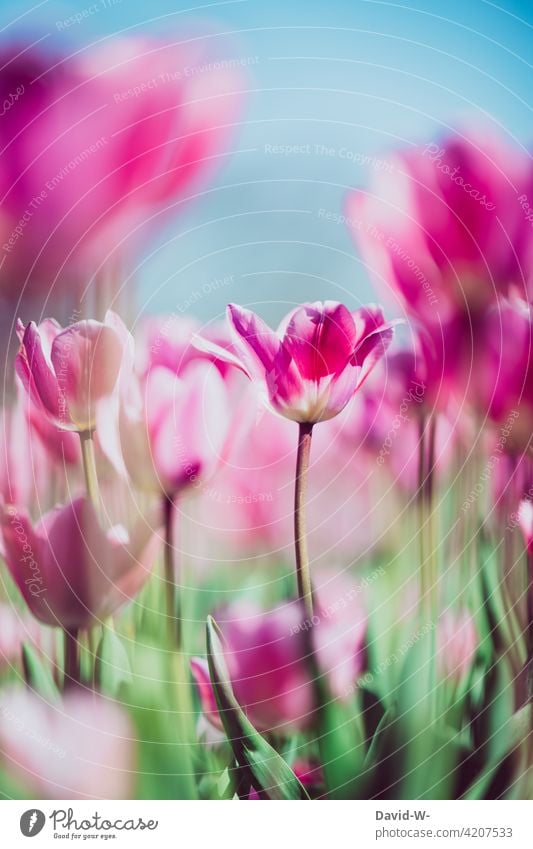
172 431
70 571
67 372
81 748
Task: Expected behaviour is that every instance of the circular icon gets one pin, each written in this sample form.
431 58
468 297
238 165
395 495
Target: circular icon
32 822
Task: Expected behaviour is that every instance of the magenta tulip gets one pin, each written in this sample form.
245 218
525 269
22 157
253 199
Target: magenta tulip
312 365
500 375
66 372
445 230
70 571
97 144
81 748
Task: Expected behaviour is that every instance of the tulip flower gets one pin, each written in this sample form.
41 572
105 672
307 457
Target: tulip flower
81 748
267 657
97 143
312 365
307 370
167 437
169 433
444 229
24 463
168 340
70 571
501 375
66 372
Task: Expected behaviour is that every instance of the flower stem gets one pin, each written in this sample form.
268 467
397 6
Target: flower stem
171 595
89 468
303 577
72 658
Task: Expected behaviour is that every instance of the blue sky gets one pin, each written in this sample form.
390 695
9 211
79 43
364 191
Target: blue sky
358 78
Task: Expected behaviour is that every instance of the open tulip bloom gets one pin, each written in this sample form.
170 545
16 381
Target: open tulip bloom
309 369
68 371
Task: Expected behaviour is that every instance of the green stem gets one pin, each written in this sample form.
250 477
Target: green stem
89 468
72 658
171 592
303 576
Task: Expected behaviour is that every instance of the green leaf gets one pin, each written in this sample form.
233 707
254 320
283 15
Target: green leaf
342 747
38 675
258 763
112 665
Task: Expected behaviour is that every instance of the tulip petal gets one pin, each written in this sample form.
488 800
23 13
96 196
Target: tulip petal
257 341
320 338
87 358
36 372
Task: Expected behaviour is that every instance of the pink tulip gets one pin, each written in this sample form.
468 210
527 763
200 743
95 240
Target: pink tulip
81 748
70 571
501 374
267 657
445 230
167 340
97 143
172 431
457 644
312 365
24 465
67 372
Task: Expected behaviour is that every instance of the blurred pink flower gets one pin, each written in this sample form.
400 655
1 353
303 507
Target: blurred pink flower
67 372
501 374
267 657
81 748
457 644
169 433
70 571
445 233
167 340
24 465
444 229
312 365
97 143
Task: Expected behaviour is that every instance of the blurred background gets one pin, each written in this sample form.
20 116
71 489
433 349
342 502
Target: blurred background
329 89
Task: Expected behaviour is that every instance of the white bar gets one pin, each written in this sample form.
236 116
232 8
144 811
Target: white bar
325 825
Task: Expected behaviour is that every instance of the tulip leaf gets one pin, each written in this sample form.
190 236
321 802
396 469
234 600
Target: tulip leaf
112 666
258 763
38 675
